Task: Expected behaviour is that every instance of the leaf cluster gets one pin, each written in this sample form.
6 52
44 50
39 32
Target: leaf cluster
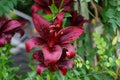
6 6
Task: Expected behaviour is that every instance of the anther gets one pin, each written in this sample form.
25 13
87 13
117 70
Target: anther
52 26
51 30
58 25
62 32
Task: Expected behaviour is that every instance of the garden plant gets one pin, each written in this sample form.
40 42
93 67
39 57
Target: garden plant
62 39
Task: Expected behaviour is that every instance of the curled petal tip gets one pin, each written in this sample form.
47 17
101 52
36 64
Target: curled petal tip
38 56
70 50
63 71
2 41
70 54
32 43
40 68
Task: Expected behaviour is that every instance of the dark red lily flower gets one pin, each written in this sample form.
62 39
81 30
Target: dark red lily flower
77 19
8 28
53 39
44 5
61 65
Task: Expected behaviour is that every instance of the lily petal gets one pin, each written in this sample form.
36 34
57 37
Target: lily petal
37 7
69 63
20 31
38 56
59 18
68 2
2 20
70 50
51 55
69 34
66 63
63 70
11 25
2 41
41 25
33 42
63 56
42 2
78 20
40 68
8 37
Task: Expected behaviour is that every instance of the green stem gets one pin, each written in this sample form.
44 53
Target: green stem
53 2
51 75
61 4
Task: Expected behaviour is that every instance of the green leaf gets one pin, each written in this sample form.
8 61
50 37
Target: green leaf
105 18
6 6
10 5
118 21
113 24
99 46
39 77
110 13
104 44
86 78
54 9
81 50
96 1
64 22
48 77
49 17
118 61
96 77
83 71
118 45
113 3
86 0
1 13
68 14
108 64
87 66
111 59
3 58
112 73
100 52
14 2
76 72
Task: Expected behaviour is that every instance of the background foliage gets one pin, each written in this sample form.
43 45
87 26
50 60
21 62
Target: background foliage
98 49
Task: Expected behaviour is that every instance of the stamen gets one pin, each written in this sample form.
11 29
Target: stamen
58 25
62 32
51 30
55 34
52 26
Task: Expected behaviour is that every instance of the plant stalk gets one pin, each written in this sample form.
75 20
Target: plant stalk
61 4
51 75
53 2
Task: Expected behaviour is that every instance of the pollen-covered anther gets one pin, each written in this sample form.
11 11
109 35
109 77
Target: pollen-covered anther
52 26
55 34
51 30
58 25
62 32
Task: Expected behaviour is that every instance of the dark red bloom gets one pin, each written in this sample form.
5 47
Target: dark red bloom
60 65
8 28
77 19
53 39
44 5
